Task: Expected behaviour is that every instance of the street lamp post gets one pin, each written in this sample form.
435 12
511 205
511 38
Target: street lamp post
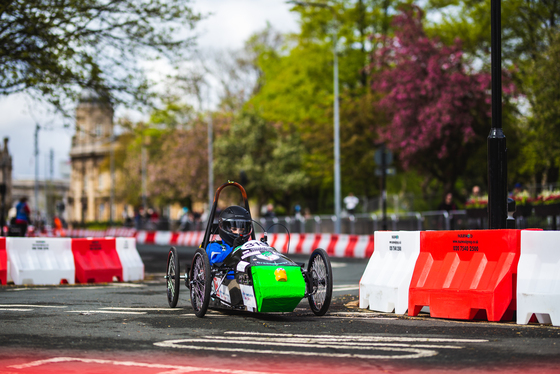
210 162
36 186
112 167
3 190
336 135
337 199
497 155
144 176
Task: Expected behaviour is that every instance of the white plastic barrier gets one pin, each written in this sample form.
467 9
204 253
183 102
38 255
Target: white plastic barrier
279 242
386 280
40 260
538 277
341 245
162 237
132 265
141 237
362 245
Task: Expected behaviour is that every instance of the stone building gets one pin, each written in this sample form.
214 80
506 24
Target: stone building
90 183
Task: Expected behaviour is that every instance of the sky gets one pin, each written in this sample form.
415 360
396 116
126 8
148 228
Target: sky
227 25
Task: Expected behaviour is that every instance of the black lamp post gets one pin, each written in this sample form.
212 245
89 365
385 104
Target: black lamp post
497 152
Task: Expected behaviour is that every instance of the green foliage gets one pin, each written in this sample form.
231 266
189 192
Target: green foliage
541 151
297 91
529 30
176 163
52 49
269 157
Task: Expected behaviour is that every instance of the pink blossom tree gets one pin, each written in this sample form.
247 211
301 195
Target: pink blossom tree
438 109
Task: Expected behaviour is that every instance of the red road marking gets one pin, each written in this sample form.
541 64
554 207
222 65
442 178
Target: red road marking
168 362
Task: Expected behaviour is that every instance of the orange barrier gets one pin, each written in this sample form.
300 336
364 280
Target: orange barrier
461 273
96 260
3 262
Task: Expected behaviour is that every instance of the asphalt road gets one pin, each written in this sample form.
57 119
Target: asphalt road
125 327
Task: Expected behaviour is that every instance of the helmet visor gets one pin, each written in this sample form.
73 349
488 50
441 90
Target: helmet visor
237 226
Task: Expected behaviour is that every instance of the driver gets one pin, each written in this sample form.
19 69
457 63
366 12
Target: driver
235 228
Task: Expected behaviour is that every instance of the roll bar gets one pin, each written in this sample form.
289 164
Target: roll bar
210 223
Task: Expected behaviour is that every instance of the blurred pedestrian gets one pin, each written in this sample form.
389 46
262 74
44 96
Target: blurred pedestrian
298 214
269 216
475 192
58 229
447 203
351 202
184 220
23 214
269 211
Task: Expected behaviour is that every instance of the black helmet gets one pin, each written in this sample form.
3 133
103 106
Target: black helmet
235 222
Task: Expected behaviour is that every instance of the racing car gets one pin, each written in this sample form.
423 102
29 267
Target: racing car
254 277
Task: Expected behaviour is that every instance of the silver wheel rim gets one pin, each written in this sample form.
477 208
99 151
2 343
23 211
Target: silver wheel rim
197 287
171 277
319 276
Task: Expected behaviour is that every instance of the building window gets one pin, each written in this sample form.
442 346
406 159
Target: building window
101 211
100 181
98 130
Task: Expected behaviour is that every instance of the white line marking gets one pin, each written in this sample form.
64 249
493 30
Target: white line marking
364 338
82 287
130 285
306 342
312 345
103 311
132 308
346 287
176 368
412 352
31 306
207 315
338 265
16 310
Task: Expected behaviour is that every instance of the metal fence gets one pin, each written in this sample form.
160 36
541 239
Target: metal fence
366 224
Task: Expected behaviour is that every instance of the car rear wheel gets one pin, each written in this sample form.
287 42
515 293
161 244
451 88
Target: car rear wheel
200 280
319 282
172 277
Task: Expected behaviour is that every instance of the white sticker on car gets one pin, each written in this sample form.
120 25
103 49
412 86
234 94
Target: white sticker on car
255 244
249 254
242 265
248 297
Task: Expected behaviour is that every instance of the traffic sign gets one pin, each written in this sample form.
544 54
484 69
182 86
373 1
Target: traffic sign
388 171
379 154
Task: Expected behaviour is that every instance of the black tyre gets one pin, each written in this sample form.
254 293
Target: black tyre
172 275
319 282
200 279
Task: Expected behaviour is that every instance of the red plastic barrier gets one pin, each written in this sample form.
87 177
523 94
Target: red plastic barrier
174 238
150 237
330 248
370 247
460 273
349 250
3 262
96 260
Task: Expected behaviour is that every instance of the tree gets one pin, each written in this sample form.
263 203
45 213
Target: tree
269 157
542 149
438 109
52 49
297 92
177 160
528 31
